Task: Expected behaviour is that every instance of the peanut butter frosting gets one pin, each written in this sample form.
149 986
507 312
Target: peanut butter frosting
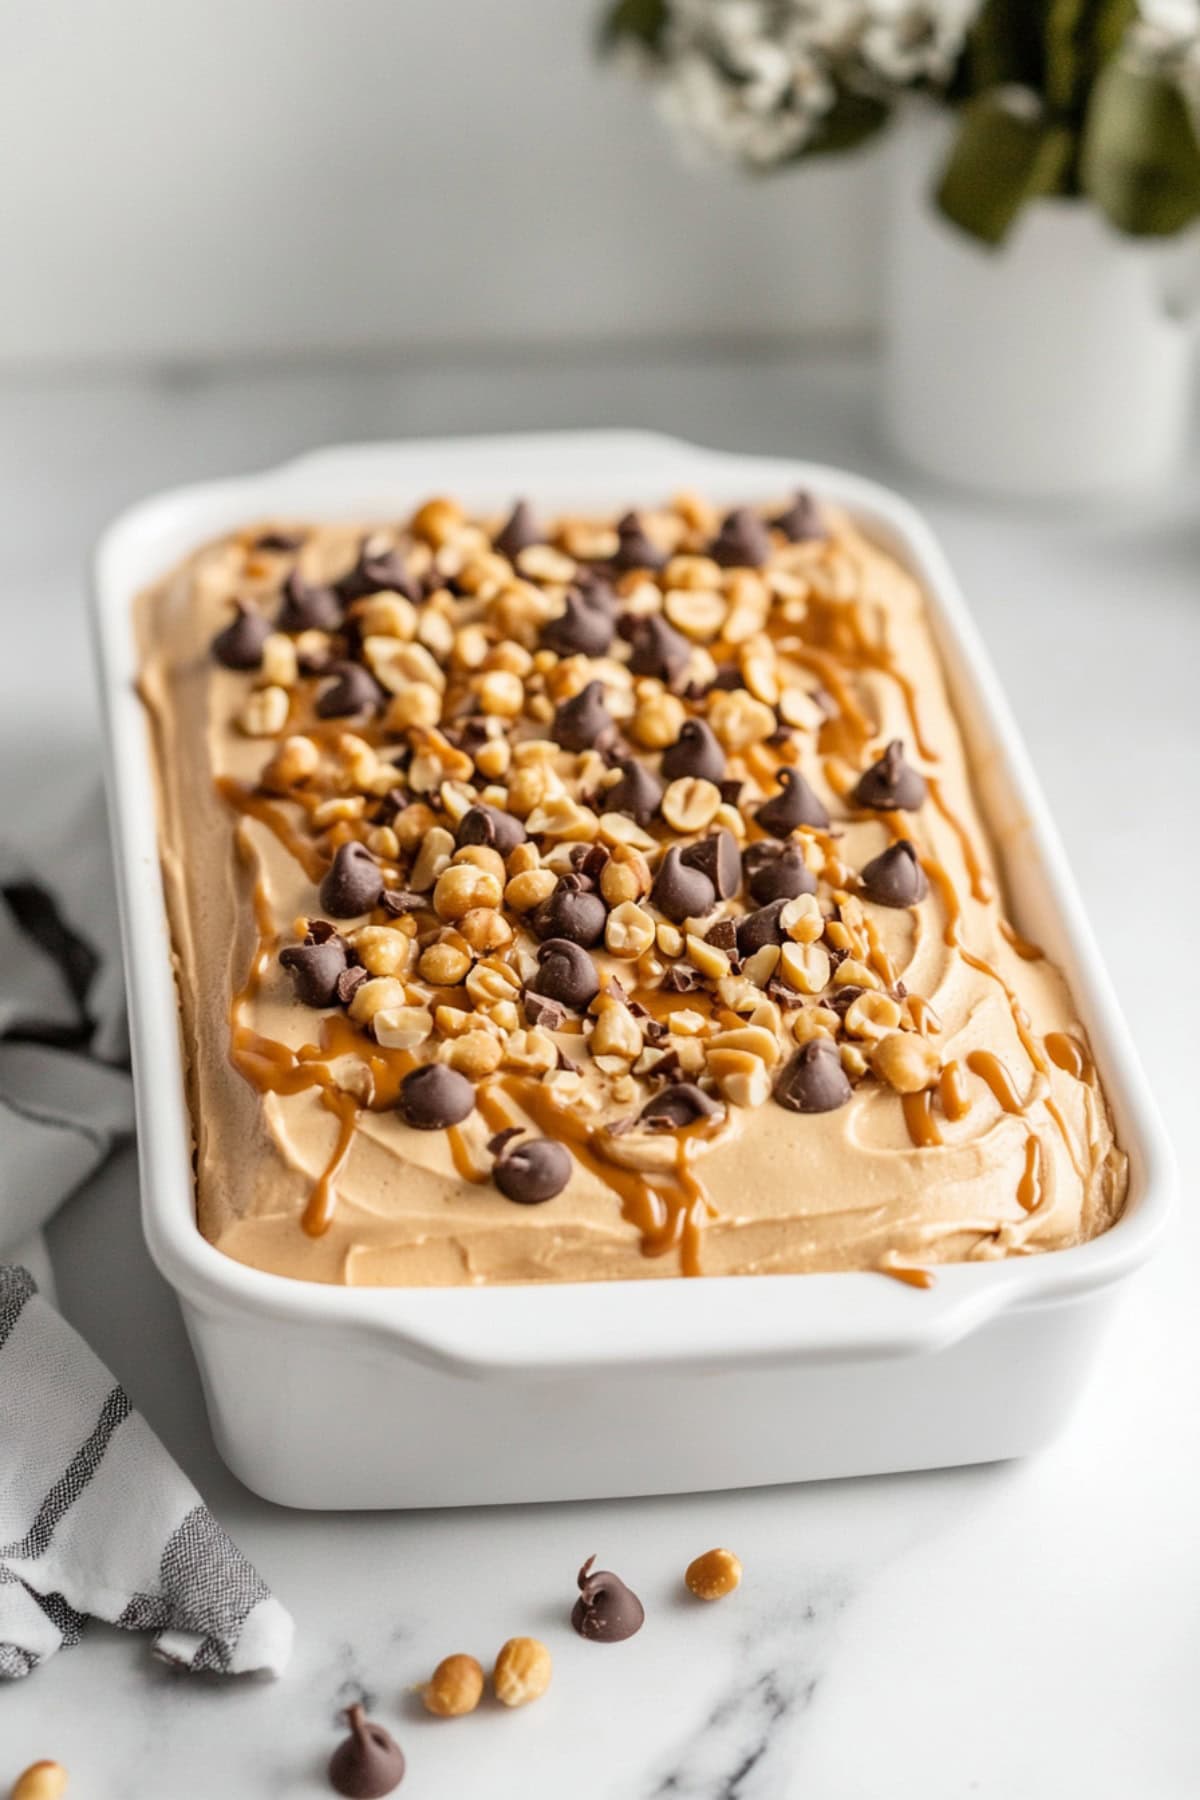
575 900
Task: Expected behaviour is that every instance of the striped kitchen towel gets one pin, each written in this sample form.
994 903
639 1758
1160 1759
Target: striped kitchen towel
65 1092
96 1519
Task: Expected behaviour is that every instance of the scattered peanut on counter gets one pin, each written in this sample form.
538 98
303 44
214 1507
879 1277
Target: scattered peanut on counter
455 1687
713 1575
41 1781
522 1672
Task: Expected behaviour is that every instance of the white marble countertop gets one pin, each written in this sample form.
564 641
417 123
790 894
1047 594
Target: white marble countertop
1021 1631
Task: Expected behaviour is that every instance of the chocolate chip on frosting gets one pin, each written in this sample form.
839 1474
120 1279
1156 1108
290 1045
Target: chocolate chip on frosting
352 689
717 856
795 804
742 542
314 969
379 569
891 784
814 1080
585 627
541 1010
566 973
308 608
638 793
572 911
782 877
240 645
532 1171
677 1106
634 549
583 721
434 1096
353 884
681 892
756 929
367 1764
657 650
895 877
606 1612
349 982
491 826
519 531
695 752
801 520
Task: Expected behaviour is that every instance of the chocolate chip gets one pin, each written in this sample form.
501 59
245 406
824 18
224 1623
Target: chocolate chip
731 790
519 531
638 793
681 892
895 877
490 825
279 540
314 969
533 1171
590 860
352 689
677 1106
742 542
657 649
502 1139
583 628
760 927
349 982
801 520
583 721
353 884
634 549
783 877
566 973
433 1097
723 936
717 857
795 804
308 608
571 912
606 1612
367 1764
695 752
681 978
543 1012
890 784
240 645
380 569
814 1080
398 901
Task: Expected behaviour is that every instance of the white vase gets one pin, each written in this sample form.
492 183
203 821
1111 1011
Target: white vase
1060 364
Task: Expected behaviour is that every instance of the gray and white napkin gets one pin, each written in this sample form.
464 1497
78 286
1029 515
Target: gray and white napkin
97 1520
95 1516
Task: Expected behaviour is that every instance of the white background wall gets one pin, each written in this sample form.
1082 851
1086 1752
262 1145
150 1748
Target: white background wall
186 177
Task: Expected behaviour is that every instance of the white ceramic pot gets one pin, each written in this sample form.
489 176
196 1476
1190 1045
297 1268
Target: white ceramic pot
1060 364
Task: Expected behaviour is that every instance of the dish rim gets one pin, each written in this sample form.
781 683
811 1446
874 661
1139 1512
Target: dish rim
719 1321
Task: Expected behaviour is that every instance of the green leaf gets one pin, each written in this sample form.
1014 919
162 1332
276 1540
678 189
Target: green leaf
1141 159
850 121
1007 152
644 20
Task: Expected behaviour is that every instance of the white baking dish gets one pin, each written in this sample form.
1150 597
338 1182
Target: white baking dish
331 1397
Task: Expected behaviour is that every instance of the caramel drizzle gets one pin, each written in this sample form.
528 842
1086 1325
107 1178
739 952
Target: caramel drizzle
1068 1054
983 888
952 1092
667 1210
1029 1187
318 1214
918 1116
268 812
914 1278
1024 947
993 1072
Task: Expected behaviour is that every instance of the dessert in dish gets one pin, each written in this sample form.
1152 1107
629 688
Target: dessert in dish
563 899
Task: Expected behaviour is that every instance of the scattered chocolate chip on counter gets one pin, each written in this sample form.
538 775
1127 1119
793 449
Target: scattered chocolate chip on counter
367 1764
607 1611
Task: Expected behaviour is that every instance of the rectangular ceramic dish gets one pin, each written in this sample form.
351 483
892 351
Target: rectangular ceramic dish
325 1396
